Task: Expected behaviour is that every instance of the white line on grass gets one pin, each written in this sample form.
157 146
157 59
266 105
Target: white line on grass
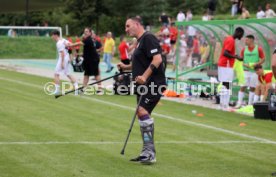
161 116
118 142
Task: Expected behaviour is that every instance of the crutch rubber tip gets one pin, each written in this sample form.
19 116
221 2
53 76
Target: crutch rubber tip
122 152
57 96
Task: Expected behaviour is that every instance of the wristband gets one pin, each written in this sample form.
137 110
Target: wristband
153 68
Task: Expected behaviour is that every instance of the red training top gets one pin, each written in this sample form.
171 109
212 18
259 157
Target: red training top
165 48
196 46
123 50
77 47
266 78
228 44
173 33
71 41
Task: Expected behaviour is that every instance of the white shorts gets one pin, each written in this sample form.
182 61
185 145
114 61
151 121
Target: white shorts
251 79
225 74
65 70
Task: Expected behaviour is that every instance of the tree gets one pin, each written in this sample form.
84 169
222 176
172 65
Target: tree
87 12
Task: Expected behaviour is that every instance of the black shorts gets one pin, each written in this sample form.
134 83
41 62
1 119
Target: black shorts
190 42
91 68
125 61
149 101
173 42
70 51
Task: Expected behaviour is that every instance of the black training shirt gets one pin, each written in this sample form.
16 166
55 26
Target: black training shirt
89 50
148 46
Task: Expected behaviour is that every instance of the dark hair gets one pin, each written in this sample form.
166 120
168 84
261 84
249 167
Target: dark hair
250 36
257 67
55 32
89 29
122 37
137 19
239 30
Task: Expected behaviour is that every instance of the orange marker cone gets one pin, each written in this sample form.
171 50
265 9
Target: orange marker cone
200 115
242 124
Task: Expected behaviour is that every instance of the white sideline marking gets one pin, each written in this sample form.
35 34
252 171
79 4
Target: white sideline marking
118 142
162 116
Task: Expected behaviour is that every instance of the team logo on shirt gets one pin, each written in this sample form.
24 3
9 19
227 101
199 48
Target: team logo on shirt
153 51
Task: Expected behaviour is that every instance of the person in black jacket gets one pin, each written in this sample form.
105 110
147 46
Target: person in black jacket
90 57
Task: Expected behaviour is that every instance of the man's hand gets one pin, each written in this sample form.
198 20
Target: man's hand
239 57
140 80
121 66
246 65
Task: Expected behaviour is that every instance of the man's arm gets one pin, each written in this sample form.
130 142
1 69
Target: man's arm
227 54
156 61
122 66
75 44
273 63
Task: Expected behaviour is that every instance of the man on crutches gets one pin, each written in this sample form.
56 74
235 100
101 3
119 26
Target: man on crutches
273 65
148 72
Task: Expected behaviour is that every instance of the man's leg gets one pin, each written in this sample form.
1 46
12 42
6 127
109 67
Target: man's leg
147 131
57 83
262 92
257 94
225 76
85 81
240 97
251 95
146 106
226 95
75 83
253 84
105 60
109 66
266 89
98 78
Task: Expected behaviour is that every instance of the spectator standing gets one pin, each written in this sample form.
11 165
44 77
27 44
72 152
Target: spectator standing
269 13
260 14
180 16
234 8
164 19
77 47
123 50
240 6
212 4
205 16
109 49
245 14
189 15
70 49
97 43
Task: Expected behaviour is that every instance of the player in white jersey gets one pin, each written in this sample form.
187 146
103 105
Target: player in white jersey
63 64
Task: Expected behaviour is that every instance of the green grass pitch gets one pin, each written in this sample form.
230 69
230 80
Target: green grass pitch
82 136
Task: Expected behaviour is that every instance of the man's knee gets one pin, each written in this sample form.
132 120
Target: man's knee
141 111
252 89
242 89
